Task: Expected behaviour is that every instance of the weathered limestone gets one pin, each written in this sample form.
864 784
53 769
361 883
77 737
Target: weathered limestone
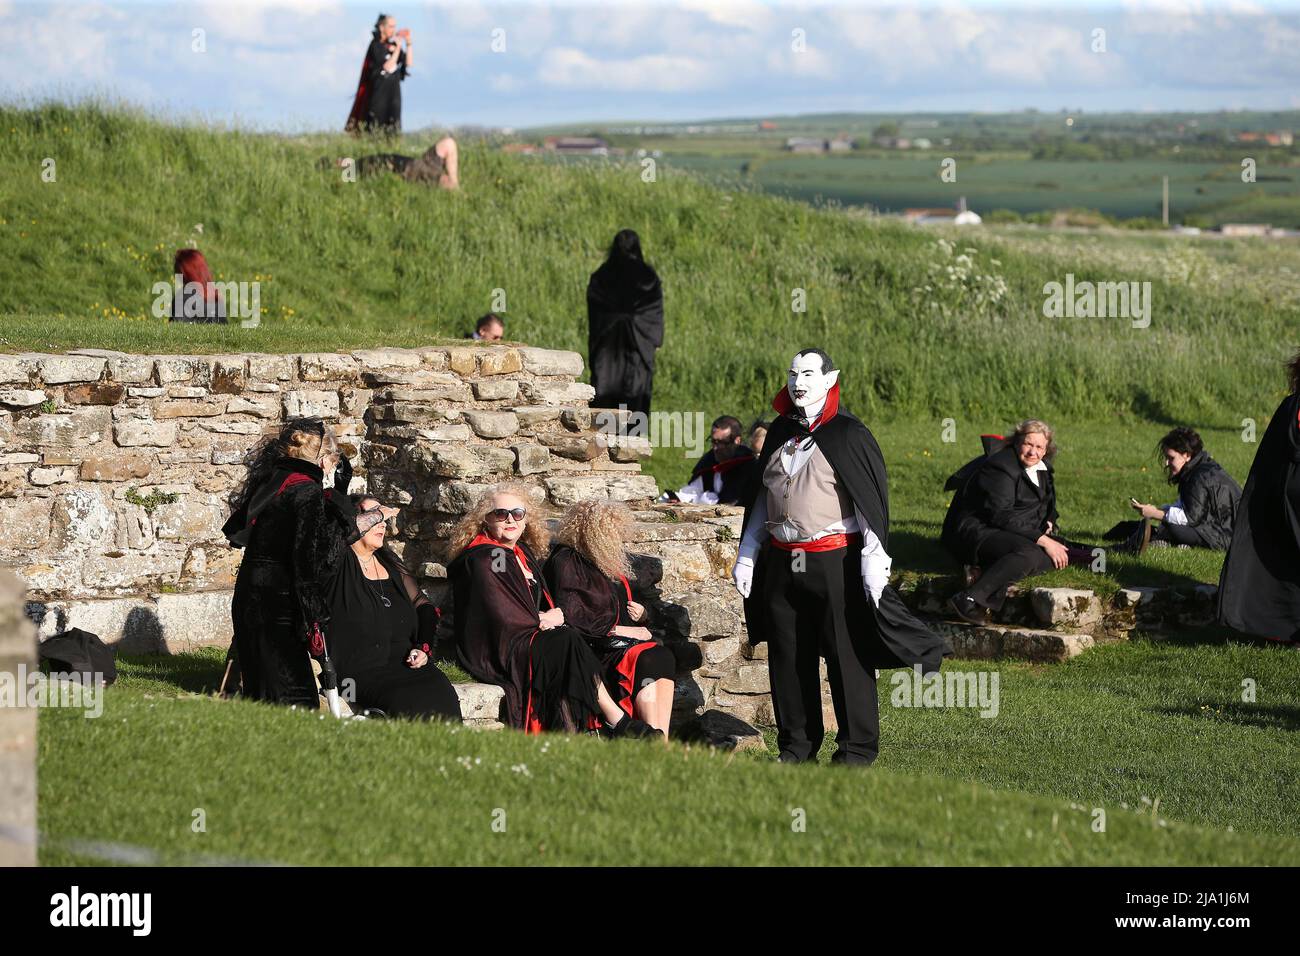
17 731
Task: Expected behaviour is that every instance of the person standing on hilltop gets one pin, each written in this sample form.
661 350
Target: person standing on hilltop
625 325
378 103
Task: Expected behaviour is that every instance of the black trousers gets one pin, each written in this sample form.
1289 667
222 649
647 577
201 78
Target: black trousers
1005 558
816 607
1178 534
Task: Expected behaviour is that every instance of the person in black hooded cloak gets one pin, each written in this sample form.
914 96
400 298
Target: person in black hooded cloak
1259 587
625 325
814 570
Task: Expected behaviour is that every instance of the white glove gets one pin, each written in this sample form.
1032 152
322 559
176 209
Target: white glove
875 574
875 586
743 575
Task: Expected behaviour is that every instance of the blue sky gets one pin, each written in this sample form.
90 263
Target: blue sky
293 64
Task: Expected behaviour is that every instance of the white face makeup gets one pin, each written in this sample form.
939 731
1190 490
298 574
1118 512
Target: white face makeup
806 382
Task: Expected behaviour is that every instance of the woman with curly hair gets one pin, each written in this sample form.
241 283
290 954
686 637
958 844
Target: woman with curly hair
588 572
509 631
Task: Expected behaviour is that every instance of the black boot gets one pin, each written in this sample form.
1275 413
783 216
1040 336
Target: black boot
629 726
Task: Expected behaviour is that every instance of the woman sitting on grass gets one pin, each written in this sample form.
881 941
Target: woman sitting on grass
198 299
381 629
1204 511
588 571
509 631
1003 521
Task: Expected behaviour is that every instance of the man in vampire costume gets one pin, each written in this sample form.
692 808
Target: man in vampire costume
1259 587
814 570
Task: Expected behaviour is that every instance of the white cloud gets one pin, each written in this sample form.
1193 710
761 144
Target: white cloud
571 68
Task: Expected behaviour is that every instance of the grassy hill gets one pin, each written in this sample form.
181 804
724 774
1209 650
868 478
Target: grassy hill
920 330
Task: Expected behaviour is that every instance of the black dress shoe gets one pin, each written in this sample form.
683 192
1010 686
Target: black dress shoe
968 609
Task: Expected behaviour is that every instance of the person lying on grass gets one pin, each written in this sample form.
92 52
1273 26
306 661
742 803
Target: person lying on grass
509 631
1203 513
588 572
1003 520
381 630
439 165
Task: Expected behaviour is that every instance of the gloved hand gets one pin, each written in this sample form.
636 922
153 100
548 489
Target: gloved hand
743 575
343 474
875 575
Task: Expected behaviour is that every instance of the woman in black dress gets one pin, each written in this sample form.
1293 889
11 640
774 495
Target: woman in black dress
378 103
293 540
381 630
509 631
588 571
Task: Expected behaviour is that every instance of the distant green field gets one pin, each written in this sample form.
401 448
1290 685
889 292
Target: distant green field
1121 188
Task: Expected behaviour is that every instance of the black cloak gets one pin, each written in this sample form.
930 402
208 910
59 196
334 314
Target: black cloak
625 325
1259 588
549 676
293 537
898 638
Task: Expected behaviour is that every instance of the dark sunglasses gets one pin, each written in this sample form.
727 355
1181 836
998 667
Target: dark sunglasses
501 514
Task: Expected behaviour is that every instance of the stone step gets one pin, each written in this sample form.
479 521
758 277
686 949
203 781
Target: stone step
480 705
1081 610
999 641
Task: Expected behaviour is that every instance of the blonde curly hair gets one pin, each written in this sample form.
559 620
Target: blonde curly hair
598 531
535 536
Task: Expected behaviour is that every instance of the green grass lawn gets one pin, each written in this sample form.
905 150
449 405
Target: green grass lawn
1125 725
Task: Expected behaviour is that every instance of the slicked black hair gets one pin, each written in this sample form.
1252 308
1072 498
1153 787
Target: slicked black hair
827 364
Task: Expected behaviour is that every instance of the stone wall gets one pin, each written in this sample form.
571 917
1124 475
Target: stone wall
17 730
115 470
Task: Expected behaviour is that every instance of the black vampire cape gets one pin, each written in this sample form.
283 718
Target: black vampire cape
625 325
898 638
1259 588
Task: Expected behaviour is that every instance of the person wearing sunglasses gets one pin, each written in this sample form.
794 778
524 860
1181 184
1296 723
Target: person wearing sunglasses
509 631
382 627
588 571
